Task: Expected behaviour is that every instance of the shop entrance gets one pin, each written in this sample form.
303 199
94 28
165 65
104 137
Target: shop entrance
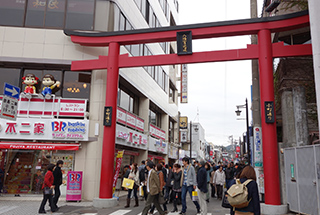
264 51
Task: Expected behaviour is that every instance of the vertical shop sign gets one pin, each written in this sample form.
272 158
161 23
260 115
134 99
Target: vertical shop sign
107 116
269 111
184 84
74 186
184 42
257 139
116 173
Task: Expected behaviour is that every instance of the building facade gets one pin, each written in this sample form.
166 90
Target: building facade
68 125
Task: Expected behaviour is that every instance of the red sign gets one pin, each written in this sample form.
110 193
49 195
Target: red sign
39 146
237 155
117 169
211 153
238 149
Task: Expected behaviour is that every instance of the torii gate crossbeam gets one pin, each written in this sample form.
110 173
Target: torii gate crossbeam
265 51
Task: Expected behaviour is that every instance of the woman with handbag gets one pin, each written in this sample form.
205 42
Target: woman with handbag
133 175
162 184
48 190
176 188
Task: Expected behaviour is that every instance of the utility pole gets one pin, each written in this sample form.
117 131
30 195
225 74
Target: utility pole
190 141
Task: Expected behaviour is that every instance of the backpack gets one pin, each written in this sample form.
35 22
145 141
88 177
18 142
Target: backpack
238 194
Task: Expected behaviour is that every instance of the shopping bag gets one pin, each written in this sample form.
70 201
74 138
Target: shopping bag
225 202
195 196
127 183
141 193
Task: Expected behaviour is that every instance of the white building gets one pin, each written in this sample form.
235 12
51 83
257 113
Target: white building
32 40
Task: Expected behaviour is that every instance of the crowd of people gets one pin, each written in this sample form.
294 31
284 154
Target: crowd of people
162 184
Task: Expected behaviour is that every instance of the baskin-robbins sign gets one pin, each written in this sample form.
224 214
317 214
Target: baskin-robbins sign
158 145
129 137
45 129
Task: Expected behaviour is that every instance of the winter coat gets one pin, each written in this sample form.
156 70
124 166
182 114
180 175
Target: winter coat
135 177
176 180
191 176
202 180
219 178
48 179
57 174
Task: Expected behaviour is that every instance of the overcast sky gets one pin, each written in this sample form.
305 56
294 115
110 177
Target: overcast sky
215 89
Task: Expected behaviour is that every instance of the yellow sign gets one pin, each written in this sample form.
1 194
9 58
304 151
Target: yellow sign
183 124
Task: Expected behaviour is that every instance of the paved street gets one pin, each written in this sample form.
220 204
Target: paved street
29 205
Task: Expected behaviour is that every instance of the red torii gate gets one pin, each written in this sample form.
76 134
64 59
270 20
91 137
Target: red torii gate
264 51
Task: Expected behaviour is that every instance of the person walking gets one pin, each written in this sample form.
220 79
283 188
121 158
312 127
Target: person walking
153 188
202 186
213 187
229 175
253 208
208 169
169 183
162 185
47 185
133 175
57 174
219 180
142 177
176 188
188 184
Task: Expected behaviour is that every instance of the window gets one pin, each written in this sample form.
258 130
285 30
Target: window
154 118
10 76
12 12
128 101
80 14
172 92
76 84
171 131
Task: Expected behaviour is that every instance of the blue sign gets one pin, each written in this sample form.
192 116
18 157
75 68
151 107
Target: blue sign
11 91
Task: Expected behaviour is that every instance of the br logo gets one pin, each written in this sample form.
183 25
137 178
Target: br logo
74 177
58 126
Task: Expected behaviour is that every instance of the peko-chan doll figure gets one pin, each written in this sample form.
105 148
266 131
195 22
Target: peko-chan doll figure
32 84
50 83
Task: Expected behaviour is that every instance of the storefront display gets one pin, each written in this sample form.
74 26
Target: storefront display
25 169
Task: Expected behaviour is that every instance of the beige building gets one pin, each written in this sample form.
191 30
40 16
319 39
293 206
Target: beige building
68 126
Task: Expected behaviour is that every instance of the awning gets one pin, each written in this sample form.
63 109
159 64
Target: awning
39 146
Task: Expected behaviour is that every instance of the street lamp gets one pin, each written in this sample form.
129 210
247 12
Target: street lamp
238 112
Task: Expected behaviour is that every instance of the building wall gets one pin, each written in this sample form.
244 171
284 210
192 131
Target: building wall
51 46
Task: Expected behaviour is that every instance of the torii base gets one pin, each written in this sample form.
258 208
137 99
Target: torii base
273 209
105 203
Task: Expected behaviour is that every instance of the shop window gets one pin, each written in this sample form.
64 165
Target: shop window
11 76
171 131
80 14
76 85
57 74
12 12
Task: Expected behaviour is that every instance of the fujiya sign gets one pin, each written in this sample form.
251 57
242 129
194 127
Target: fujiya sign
44 129
127 136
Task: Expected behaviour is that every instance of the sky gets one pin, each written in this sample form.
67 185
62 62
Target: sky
215 89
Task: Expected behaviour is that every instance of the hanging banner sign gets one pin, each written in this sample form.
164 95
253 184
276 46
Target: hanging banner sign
184 84
107 116
183 122
117 169
269 112
257 139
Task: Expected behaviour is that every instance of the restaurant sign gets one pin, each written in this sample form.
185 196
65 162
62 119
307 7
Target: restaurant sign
44 129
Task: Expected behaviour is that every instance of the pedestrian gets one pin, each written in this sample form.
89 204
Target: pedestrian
202 186
162 185
196 166
229 175
253 208
1 180
143 172
153 188
188 184
209 169
219 180
169 184
47 185
57 175
176 187
133 175
213 187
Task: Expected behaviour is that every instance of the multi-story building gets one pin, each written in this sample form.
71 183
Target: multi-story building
69 125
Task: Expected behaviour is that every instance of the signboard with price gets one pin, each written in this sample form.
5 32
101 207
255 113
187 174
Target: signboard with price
74 186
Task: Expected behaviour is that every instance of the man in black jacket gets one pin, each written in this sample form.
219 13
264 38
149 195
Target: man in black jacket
57 174
202 186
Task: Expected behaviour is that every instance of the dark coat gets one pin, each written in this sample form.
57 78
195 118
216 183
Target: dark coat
176 180
253 194
170 178
57 174
229 173
202 180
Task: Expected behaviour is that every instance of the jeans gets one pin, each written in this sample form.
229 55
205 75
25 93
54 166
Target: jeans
56 195
228 183
213 190
135 188
219 191
184 191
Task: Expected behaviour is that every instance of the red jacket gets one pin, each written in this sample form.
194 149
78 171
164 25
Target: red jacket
48 179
